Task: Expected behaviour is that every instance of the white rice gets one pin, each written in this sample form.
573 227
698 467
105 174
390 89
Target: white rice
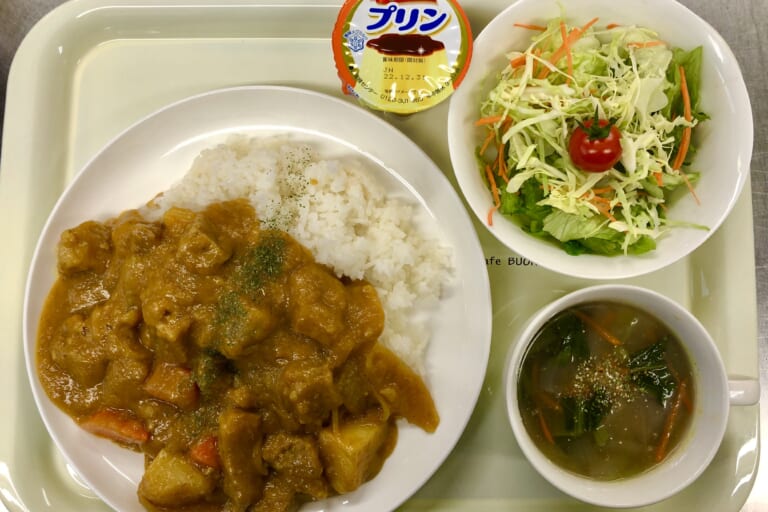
338 210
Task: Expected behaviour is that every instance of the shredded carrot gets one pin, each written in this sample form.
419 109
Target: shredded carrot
494 191
560 52
494 188
518 61
602 190
501 164
685 142
605 211
536 64
612 25
690 187
502 171
600 199
686 95
490 214
487 141
530 26
610 338
645 44
505 125
669 425
545 429
659 178
568 54
587 25
488 120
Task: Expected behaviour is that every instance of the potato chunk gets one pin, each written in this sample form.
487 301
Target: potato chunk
354 453
171 480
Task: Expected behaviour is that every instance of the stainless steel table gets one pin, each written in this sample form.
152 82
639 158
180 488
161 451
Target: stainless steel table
741 23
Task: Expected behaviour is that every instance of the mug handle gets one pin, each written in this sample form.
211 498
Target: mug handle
743 390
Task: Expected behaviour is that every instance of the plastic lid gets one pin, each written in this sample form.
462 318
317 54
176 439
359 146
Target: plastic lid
401 56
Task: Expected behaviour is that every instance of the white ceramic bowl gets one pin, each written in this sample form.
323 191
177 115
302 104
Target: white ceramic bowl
714 390
724 143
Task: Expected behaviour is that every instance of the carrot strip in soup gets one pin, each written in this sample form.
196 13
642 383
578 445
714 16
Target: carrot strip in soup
669 425
607 336
545 429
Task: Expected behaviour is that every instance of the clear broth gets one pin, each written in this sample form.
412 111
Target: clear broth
606 390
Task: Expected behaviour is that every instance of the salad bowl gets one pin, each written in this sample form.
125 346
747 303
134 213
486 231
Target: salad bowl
718 166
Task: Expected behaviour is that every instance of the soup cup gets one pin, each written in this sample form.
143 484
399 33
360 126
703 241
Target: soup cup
709 416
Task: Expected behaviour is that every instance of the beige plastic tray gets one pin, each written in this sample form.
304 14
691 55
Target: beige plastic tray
93 67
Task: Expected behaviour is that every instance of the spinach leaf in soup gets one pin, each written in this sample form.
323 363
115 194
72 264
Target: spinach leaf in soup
649 370
569 329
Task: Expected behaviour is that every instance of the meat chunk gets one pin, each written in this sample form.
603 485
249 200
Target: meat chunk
173 384
203 248
240 323
85 247
122 384
308 391
164 312
172 480
239 439
77 352
296 460
318 302
365 313
132 235
278 497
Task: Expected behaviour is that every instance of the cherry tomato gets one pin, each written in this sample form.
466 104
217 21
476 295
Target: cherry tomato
595 149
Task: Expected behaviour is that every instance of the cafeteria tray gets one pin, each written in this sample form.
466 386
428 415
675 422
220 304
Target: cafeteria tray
91 68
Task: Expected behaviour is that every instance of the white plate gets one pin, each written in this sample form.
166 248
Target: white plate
155 152
724 143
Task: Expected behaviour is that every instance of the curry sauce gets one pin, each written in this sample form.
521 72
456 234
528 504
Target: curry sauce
249 375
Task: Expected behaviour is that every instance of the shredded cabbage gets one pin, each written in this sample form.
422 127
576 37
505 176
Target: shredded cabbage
624 73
